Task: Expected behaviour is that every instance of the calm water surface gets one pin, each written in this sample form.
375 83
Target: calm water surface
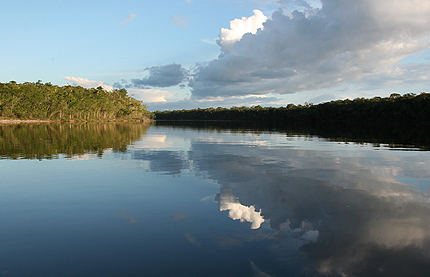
133 200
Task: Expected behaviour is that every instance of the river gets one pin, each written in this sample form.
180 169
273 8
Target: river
211 200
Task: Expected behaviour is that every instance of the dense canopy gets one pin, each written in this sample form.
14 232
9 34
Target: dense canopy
47 101
409 108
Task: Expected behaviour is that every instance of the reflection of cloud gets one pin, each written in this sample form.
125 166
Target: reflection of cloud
305 232
226 242
84 157
256 271
180 216
154 142
207 199
161 141
128 217
228 202
341 205
162 161
191 239
346 207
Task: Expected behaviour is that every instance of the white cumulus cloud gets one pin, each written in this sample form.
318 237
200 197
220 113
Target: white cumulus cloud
239 27
340 42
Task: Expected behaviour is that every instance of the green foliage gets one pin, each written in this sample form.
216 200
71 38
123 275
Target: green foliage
47 101
48 141
409 108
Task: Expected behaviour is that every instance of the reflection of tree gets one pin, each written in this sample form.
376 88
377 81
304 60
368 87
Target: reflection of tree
47 141
395 136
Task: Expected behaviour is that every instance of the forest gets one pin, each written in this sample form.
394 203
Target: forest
75 103
68 103
405 109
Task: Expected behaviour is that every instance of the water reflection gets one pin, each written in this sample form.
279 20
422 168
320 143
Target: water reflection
48 141
228 202
344 205
167 162
289 204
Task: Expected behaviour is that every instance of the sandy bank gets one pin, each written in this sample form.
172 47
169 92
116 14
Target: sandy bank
15 121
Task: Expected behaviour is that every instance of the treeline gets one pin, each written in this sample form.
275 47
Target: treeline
409 108
52 102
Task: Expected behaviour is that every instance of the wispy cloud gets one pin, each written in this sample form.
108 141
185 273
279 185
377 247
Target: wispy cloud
179 21
84 82
209 41
150 95
323 98
129 18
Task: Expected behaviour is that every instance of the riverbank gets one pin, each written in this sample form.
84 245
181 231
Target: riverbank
19 121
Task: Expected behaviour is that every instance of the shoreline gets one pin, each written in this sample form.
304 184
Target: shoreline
19 121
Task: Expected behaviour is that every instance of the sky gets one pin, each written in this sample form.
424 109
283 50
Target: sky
186 54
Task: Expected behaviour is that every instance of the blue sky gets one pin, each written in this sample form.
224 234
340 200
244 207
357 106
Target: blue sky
202 53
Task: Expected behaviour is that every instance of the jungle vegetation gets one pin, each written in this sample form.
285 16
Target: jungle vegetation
409 108
52 102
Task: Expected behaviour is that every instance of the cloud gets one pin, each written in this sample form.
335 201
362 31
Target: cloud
117 85
191 103
162 76
404 75
129 18
209 41
78 81
239 27
310 46
150 95
323 98
343 41
179 21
